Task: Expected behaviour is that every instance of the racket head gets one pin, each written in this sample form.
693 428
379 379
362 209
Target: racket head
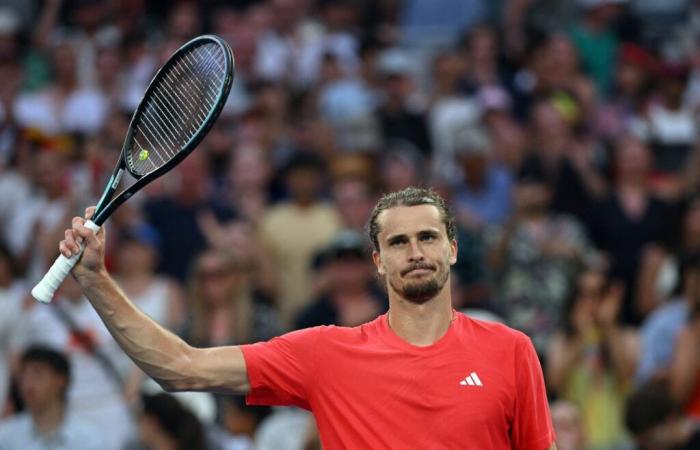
180 105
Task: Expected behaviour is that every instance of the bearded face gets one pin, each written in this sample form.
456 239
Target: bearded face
415 253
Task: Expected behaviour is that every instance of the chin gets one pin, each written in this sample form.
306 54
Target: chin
420 293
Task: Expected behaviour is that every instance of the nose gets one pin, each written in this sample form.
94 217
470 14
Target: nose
416 254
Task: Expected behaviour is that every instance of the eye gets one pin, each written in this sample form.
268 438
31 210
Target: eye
427 237
396 242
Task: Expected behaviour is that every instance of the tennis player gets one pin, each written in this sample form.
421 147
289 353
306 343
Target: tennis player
422 376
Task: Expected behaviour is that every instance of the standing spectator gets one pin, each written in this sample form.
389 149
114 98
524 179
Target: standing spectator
66 105
660 331
595 40
44 377
684 371
401 115
293 230
591 361
628 100
669 125
536 258
175 216
629 218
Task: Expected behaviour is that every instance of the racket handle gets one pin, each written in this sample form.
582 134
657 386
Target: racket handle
46 288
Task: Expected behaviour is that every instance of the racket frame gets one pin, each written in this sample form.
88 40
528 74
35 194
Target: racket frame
106 205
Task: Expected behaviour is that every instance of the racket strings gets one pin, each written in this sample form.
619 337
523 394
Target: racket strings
177 108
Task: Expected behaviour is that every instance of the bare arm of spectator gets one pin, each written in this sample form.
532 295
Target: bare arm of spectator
46 23
562 354
162 355
647 297
622 342
685 368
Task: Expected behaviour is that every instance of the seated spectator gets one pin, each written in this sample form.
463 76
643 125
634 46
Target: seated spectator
13 293
222 307
590 361
284 428
568 426
70 325
165 424
44 377
656 421
239 423
484 197
346 294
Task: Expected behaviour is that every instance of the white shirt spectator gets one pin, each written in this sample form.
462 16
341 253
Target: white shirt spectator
19 433
93 396
285 428
11 299
83 111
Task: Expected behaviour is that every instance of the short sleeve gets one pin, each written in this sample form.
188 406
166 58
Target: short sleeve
532 423
280 371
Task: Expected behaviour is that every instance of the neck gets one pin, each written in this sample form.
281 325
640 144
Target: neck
423 324
48 419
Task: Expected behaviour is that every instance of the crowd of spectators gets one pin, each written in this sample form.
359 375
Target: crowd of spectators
563 134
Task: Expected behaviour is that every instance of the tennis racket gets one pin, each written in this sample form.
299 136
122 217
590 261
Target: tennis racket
179 107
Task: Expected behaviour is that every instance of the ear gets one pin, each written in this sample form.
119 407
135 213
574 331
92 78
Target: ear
377 259
454 250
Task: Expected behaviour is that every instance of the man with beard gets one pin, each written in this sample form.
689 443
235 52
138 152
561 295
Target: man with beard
421 376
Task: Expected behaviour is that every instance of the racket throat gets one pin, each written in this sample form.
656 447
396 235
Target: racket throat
113 184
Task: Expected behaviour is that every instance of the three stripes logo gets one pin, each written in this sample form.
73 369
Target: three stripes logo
471 380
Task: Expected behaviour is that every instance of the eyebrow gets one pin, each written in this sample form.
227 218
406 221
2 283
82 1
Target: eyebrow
429 232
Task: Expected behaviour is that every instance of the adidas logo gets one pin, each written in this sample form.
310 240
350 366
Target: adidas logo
471 380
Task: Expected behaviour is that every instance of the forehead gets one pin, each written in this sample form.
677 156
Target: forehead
409 220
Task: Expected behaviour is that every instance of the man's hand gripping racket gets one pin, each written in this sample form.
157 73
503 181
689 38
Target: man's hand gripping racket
179 107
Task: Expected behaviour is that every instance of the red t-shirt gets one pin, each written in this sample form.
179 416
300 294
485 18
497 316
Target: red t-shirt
479 387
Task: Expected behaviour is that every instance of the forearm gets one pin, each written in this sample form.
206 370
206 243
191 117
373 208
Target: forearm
561 360
622 357
158 352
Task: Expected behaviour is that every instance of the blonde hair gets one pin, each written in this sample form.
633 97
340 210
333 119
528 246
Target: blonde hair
240 302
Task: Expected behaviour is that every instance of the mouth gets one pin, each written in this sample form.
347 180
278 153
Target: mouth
418 271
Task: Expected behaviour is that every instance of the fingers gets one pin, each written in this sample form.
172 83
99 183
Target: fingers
75 236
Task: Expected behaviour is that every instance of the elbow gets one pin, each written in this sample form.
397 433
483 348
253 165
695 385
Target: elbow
179 377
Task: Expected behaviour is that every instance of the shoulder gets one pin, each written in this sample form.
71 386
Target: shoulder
83 433
15 427
357 334
666 315
492 333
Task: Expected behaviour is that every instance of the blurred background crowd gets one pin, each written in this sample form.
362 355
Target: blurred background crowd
562 132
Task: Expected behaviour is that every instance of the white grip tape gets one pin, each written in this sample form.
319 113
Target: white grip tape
46 288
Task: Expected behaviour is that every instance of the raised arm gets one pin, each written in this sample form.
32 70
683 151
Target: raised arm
166 358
